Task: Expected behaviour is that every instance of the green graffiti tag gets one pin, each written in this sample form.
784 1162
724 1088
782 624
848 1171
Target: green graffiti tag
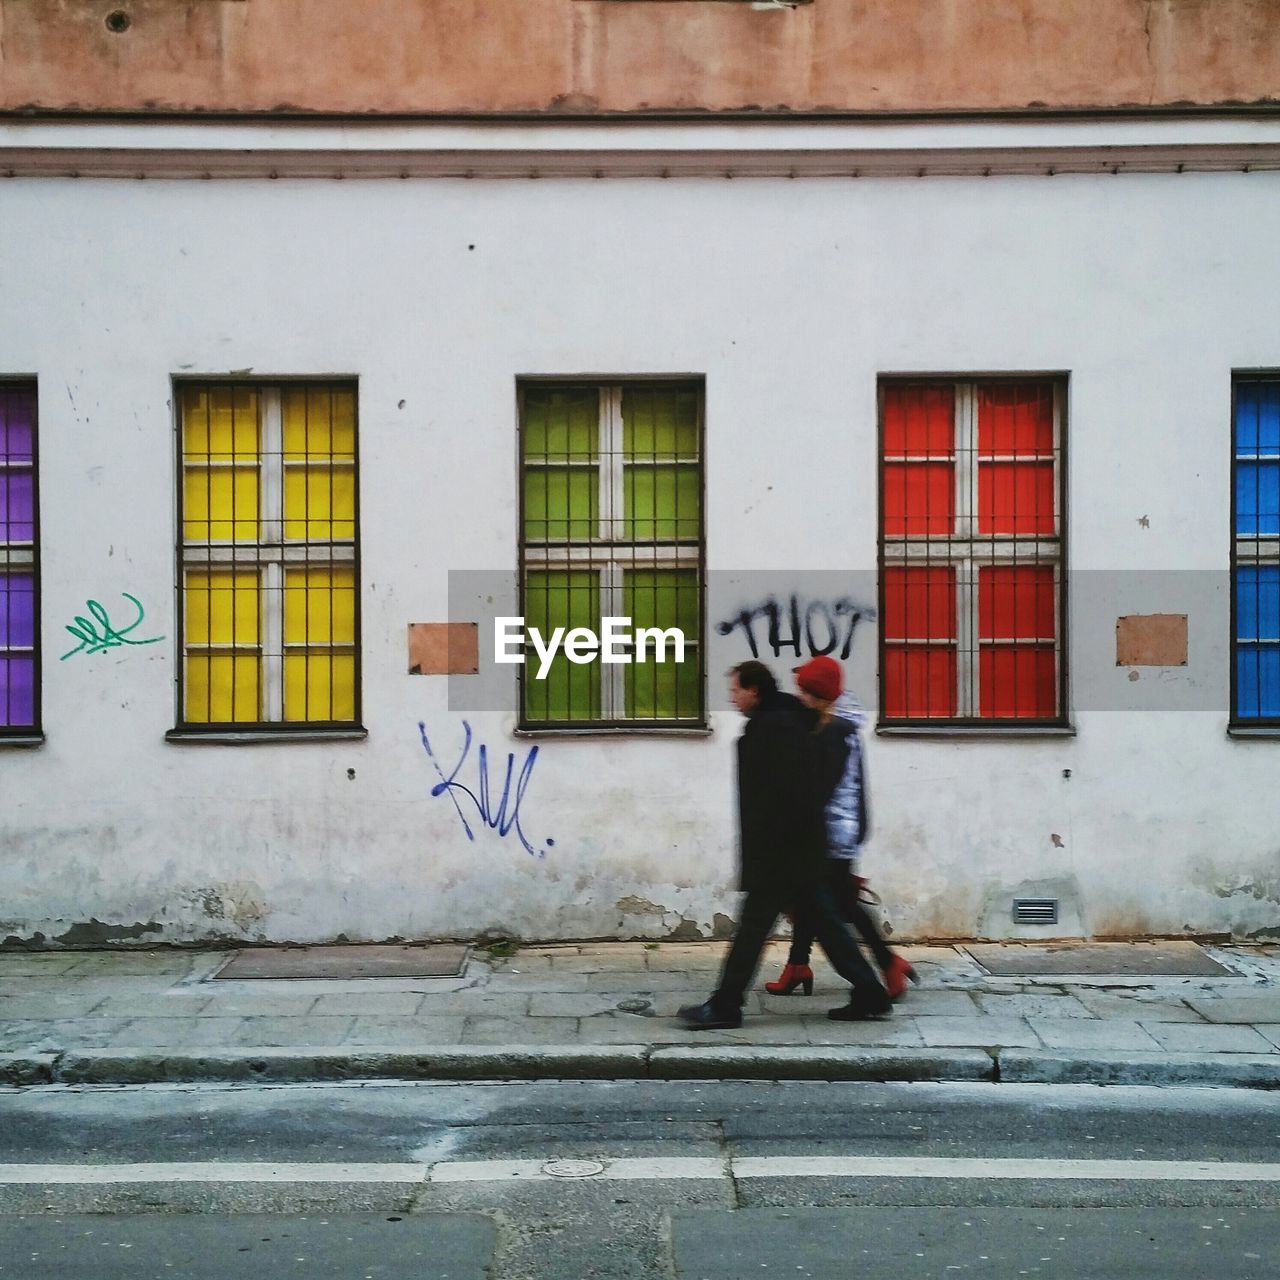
99 634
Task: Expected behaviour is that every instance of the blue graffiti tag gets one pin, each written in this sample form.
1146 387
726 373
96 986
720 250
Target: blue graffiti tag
506 818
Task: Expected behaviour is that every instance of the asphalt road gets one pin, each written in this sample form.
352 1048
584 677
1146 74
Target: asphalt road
711 1180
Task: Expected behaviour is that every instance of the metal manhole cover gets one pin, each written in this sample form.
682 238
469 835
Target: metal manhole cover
1125 959
573 1168
439 960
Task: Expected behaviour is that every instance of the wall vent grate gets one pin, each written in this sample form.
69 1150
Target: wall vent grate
1035 911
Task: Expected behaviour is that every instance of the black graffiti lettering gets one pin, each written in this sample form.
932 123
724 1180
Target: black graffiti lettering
819 627
777 641
818 608
743 620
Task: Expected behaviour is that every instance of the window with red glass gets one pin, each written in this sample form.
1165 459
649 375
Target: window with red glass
971 563
19 564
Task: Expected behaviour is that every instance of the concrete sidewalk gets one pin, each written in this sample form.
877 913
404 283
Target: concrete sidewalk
605 1011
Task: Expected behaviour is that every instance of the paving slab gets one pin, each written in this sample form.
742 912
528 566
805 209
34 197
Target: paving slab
598 962
499 1004
1269 1031
177 1033
44 1036
572 1004
1040 1005
479 1029
377 1004
122 963
1166 958
893 1031
182 1003
669 980
542 981
397 1032
258 1003
987 1032
1262 1007
48 1006
623 1029
936 1003
1093 1033
22 964
1181 1037
278 1032
1104 1004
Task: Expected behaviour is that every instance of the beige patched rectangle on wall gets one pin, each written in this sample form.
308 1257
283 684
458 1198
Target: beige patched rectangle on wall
444 648
1151 640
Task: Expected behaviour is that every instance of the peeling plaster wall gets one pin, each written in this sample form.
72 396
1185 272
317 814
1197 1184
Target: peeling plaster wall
571 57
794 295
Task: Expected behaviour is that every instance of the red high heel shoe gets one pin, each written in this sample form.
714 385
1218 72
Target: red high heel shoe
896 977
793 976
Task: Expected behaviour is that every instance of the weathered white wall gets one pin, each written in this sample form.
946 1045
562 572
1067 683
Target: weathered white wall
790 296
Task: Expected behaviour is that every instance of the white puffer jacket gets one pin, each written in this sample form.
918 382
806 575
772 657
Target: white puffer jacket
848 823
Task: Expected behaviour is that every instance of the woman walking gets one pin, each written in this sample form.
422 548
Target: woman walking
839 718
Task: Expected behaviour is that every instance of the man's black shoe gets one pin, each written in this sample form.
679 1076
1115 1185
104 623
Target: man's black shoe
706 1017
862 1008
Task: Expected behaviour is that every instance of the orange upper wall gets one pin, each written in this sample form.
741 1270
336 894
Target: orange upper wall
576 56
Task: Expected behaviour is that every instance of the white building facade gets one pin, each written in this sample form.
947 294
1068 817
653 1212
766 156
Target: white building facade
424 285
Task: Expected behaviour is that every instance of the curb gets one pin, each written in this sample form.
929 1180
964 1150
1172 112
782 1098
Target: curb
1220 1070
638 1062
256 1066
819 1062
19 1069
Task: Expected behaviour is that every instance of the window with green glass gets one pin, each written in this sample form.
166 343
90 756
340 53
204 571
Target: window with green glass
611 526
268 555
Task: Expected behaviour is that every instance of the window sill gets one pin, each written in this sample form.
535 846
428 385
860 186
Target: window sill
1263 732
27 740
617 731
976 731
252 737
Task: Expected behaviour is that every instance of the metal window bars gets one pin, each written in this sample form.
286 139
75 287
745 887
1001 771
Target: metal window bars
611 499
19 561
268 552
971 551
1255 550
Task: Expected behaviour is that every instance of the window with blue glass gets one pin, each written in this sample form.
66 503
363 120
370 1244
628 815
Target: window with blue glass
19 574
1256 550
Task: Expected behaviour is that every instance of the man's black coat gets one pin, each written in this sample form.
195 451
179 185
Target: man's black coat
786 774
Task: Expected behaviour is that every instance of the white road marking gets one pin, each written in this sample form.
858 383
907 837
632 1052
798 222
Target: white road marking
208 1171
992 1167
654 1169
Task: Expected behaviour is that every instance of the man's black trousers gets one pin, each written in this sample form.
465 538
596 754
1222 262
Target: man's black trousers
760 913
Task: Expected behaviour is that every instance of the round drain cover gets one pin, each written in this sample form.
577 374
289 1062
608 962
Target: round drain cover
634 1004
573 1168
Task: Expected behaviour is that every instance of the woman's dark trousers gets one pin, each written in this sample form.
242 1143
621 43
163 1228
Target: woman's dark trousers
760 913
844 892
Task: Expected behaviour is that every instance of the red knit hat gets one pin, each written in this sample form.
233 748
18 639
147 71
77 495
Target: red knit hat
822 677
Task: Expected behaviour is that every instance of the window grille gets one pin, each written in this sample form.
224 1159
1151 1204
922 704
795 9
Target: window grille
612 526
268 555
971 551
19 563
1255 551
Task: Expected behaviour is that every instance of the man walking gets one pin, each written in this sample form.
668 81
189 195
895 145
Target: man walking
784 782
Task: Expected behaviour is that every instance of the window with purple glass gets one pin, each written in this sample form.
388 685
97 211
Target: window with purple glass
19 569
